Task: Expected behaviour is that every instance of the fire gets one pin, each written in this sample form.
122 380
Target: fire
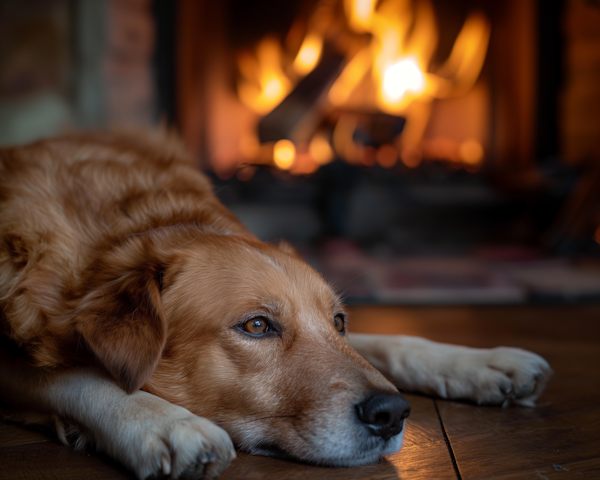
471 152
266 77
284 154
391 72
399 78
309 54
320 150
360 14
264 84
462 68
398 56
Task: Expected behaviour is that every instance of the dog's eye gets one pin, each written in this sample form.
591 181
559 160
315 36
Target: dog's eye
339 321
256 326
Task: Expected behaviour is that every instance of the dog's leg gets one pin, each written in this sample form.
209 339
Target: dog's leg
496 376
149 435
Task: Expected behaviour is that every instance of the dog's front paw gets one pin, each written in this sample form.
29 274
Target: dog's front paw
500 376
178 445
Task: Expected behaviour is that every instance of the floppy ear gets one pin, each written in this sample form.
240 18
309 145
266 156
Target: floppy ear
122 318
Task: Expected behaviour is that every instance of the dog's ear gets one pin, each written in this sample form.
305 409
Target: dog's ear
121 316
287 248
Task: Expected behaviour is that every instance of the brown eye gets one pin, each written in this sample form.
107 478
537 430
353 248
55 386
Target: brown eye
256 326
339 322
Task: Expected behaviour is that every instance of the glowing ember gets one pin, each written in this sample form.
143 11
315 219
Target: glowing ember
471 152
350 77
249 146
387 156
320 150
284 153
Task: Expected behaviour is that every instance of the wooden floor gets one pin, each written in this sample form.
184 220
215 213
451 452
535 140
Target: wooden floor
560 439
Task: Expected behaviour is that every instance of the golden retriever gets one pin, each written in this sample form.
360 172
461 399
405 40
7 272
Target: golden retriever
140 316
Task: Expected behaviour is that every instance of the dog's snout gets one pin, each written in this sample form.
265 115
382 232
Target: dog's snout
383 414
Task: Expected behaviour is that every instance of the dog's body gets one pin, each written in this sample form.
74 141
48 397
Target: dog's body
120 270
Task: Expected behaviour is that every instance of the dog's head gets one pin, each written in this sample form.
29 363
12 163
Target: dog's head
249 336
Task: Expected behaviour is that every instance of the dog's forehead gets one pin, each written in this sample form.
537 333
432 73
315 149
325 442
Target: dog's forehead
255 275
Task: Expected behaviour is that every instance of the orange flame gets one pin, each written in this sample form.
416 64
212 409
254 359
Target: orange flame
264 84
391 73
309 54
284 154
403 40
398 56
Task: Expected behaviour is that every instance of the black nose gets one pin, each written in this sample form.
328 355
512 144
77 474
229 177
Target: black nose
383 414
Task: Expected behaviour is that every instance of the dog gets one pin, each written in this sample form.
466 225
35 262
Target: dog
139 316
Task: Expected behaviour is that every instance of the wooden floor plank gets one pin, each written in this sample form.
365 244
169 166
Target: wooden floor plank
50 460
567 471
424 454
14 434
488 449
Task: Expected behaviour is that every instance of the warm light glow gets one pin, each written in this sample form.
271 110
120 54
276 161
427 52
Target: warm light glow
466 59
245 173
387 156
350 77
400 77
412 159
388 69
309 54
392 73
360 13
597 236
445 149
471 152
320 150
284 153
305 163
265 85
367 155
249 146
343 142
